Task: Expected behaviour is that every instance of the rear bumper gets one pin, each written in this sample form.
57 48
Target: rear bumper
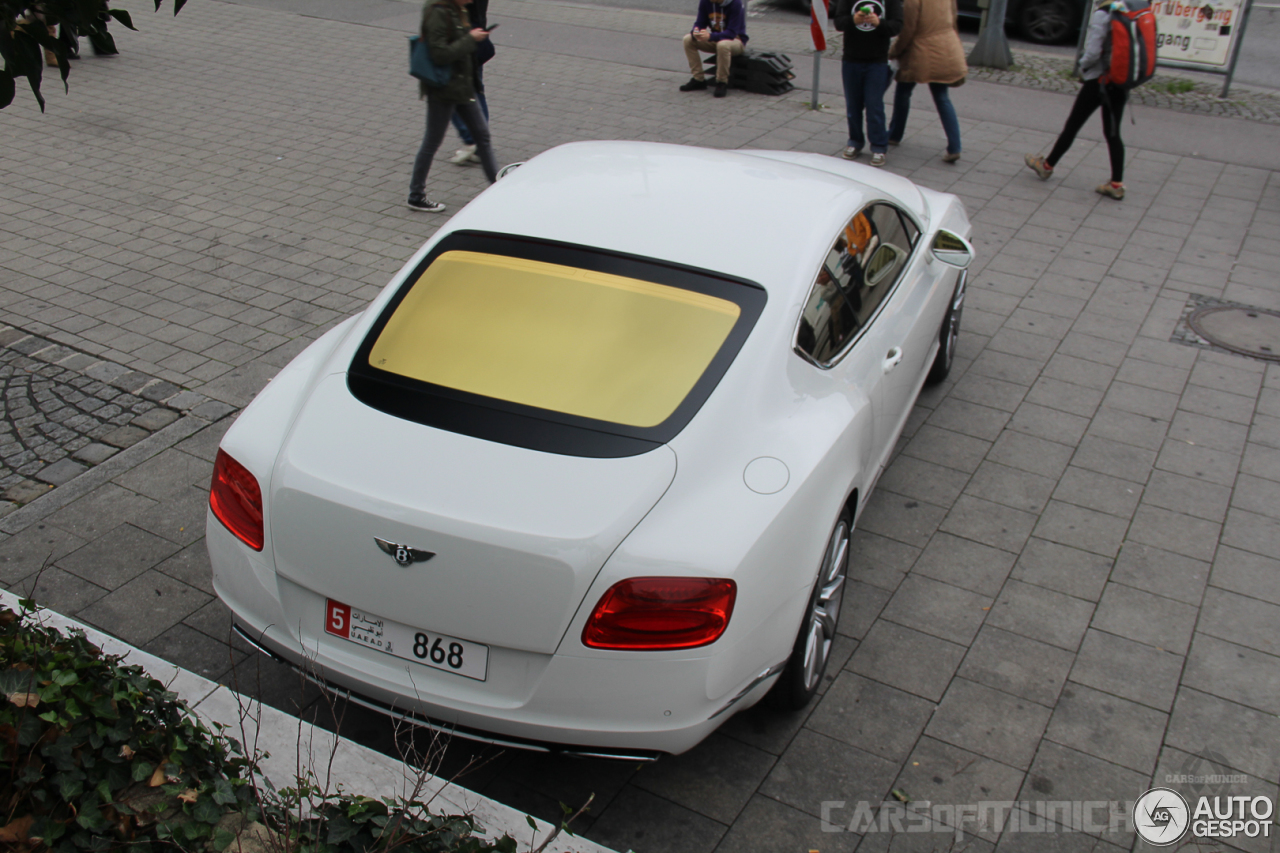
620 705
350 695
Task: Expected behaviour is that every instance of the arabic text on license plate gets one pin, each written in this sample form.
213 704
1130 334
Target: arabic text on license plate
434 650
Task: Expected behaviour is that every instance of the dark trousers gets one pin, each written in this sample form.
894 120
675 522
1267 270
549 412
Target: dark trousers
438 116
864 87
1093 95
484 107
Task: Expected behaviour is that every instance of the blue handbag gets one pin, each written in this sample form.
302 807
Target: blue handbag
421 66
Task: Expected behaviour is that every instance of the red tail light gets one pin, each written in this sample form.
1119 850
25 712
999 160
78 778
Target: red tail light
661 613
236 500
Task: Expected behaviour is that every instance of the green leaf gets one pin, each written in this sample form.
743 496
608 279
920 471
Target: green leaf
142 770
123 17
224 793
65 678
341 829
90 813
222 839
533 824
207 811
29 730
70 785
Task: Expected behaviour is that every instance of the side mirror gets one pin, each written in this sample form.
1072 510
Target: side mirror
883 263
952 249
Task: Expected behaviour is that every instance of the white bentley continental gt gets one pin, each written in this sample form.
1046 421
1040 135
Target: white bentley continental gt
583 476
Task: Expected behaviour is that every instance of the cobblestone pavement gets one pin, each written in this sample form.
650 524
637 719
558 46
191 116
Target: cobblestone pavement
1065 588
62 412
1167 90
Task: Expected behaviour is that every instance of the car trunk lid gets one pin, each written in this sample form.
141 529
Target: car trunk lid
517 535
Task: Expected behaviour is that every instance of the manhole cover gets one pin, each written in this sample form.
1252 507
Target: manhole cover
1248 331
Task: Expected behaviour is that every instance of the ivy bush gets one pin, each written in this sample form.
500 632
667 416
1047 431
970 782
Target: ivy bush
96 755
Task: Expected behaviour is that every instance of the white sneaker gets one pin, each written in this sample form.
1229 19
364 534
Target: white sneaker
464 155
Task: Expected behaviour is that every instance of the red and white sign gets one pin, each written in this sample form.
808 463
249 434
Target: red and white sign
1197 35
818 24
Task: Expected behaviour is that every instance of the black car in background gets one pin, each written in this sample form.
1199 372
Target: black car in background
1039 21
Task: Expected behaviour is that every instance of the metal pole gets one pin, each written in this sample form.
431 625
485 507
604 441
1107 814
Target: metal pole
1235 48
1084 29
817 63
992 47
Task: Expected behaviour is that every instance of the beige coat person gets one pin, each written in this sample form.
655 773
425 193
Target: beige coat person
928 49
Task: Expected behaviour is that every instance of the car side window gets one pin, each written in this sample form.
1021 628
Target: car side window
859 271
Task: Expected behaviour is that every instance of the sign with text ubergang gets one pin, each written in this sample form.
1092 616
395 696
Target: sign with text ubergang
1197 33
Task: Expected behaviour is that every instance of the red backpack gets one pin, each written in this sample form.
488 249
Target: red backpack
1133 48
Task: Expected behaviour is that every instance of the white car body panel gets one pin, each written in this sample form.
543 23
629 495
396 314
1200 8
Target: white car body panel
527 541
520 534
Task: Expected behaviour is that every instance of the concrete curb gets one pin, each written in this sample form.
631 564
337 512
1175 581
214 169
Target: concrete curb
295 745
102 473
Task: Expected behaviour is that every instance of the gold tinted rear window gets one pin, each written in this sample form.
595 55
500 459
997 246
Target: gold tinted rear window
554 337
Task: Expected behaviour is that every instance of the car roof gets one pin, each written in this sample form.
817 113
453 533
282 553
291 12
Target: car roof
734 212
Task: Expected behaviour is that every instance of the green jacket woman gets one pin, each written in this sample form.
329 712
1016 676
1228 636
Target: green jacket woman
446 28
452 40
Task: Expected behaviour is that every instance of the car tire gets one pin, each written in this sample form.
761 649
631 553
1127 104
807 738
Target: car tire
802 676
1047 21
949 336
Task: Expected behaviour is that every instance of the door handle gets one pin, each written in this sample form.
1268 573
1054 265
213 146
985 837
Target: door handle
892 358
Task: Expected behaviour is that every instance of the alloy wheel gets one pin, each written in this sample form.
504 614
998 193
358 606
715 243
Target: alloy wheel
825 612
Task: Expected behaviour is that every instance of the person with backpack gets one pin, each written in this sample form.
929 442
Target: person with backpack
1119 53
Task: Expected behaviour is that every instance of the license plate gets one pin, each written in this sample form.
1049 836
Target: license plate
434 650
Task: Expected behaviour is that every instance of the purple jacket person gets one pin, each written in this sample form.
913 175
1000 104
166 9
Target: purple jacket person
720 28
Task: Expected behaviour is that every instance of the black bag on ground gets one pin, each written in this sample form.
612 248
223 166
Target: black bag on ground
762 72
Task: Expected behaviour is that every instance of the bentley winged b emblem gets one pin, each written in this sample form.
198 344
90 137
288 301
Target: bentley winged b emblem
403 554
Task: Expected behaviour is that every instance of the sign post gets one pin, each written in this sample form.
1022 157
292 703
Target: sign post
992 47
818 30
1201 38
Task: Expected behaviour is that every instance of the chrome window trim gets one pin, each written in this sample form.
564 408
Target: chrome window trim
912 258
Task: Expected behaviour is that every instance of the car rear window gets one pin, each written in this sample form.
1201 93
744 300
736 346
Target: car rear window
554 337
532 343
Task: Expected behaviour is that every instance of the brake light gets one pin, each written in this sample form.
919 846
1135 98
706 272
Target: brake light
236 500
661 613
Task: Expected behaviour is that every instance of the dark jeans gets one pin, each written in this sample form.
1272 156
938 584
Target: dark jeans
864 85
438 116
484 106
941 100
1093 95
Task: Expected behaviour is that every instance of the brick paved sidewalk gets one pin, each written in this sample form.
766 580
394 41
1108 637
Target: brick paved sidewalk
1066 587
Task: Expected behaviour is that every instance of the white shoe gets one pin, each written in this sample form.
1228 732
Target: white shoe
464 155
